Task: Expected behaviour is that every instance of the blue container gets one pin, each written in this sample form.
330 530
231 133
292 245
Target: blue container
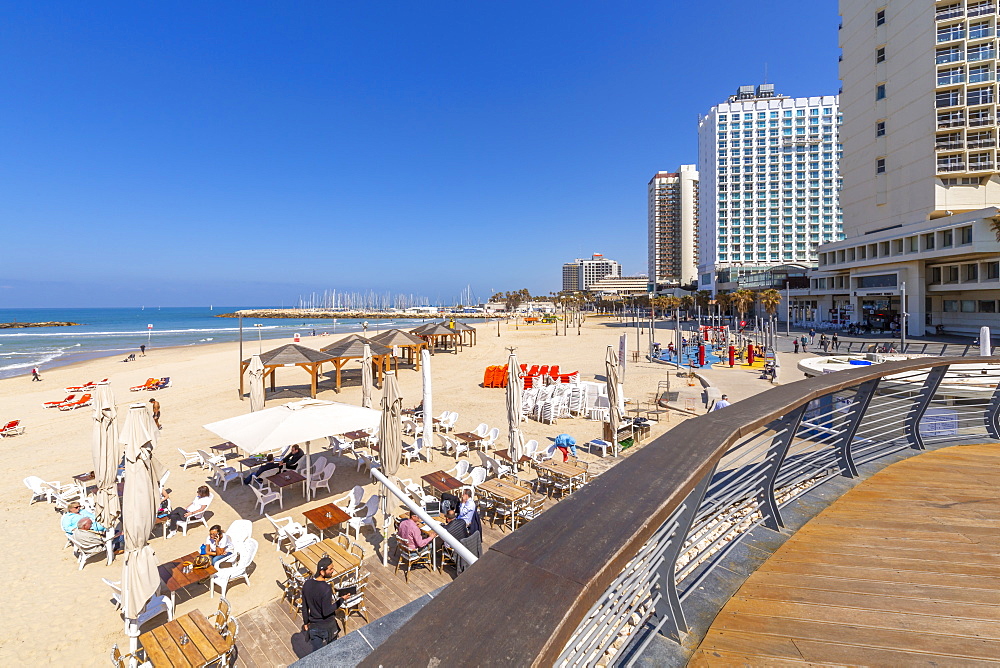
861 363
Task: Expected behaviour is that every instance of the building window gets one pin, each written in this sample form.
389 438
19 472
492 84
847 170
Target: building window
948 98
965 235
980 74
987 306
879 281
936 275
952 274
968 306
880 55
880 165
972 272
948 33
929 241
980 95
951 306
880 17
946 239
880 91
980 30
981 52
950 75
879 128
992 271
948 54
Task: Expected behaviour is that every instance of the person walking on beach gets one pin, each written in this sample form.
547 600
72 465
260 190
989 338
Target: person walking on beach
142 350
156 413
795 343
812 335
34 374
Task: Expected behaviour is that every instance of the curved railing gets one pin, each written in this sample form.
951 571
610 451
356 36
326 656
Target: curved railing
611 565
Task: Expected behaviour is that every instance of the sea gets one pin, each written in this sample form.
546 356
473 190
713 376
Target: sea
112 332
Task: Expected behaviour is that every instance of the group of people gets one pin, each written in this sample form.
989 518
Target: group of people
81 525
287 463
826 344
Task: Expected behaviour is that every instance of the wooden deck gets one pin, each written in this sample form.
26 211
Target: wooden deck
903 570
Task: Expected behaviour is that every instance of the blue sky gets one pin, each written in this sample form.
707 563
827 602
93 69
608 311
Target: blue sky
190 153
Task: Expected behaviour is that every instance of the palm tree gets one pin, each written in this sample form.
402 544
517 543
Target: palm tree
671 303
687 303
660 303
725 301
701 298
770 299
743 300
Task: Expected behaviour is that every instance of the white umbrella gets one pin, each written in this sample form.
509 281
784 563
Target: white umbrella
140 578
366 377
425 371
514 410
614 395
256 373
297 422
390 436
107 453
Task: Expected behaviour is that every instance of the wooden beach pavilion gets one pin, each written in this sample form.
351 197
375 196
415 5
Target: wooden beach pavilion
352 347
290 355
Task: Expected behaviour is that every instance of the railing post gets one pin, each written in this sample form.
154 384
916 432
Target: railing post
668 616
786 426
862 399
916 412
992 416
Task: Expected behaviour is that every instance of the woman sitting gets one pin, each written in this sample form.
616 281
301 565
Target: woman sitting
219 545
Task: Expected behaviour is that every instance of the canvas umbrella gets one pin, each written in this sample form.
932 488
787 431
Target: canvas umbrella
366 377
514 410
107 453
140 578
390 446
425 374
256 373
614 395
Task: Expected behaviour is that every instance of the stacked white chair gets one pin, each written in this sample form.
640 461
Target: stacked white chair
238 571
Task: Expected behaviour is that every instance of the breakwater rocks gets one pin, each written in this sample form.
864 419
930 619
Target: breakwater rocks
22 325
304 314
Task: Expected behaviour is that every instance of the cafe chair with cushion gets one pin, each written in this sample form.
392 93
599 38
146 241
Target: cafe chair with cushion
410 557
266 495
292 586
529 511
371 510
220 617
136 660
229 635
355 605
238 571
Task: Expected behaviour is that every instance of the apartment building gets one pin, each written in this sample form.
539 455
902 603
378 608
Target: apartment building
672 226
921 189
580 274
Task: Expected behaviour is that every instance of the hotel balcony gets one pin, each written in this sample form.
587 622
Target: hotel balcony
983 143
949 146
946 167
981 10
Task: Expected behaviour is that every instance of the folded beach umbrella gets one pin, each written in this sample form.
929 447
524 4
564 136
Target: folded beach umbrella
366 377
614 394
514 410
107 452
256 373
425 374
390 435
140 578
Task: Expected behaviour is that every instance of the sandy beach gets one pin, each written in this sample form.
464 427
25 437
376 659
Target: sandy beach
43 580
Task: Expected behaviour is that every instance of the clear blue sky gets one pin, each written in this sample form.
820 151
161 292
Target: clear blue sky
247 152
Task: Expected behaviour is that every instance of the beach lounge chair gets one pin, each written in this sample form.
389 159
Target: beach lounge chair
12 428
161 384
54 404
82 388
145 386
554 372
80 403
534 370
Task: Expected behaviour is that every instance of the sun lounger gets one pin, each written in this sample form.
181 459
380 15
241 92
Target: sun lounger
554 372
12 428
163 384
80 403
150 382
53 404
82 388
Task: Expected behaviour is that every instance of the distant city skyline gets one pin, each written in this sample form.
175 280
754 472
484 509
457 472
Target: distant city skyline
252 153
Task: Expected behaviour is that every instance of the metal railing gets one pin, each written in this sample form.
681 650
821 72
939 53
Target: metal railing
914 348
595 578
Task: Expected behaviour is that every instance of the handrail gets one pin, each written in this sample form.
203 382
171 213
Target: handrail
534 588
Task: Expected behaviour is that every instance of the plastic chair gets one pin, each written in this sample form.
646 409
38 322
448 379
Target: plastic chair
227 574
371 510
266 495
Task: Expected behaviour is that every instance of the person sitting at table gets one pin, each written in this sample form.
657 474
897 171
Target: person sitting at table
74 513
409 532
90 539
291 460
268 465
201 501
455 526
219 546
319 608
467 509
567 444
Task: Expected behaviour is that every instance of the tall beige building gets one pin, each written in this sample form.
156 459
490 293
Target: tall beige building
672 225
920 181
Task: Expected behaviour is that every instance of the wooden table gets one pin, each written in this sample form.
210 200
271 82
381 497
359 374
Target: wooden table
318 517
223 447
284 479
440 482
344 563
84 477
358 435
506 491
505 455
469 438
564 469
165 648
174 578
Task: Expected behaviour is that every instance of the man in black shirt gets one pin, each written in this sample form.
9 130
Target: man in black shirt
318 606
291 460
456 527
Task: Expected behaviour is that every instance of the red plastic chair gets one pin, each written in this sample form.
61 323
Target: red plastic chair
534 370
554 371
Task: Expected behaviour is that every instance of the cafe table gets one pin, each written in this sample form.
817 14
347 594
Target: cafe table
425 529
284 479
512 494
469 438
173 576
189 641
326 517
505 455
344 563
440 483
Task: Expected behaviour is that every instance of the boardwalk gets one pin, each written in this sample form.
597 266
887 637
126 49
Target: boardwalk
903 570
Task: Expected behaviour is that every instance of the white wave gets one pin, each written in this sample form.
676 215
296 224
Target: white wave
36 362
143 332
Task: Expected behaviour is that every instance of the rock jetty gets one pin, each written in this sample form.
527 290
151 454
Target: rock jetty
22 325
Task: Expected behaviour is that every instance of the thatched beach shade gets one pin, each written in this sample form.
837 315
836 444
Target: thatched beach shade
435 334
288 356
353 347
408 345
464 331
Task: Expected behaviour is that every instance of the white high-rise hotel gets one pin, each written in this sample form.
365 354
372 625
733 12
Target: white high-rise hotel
672 228
769 183
921 187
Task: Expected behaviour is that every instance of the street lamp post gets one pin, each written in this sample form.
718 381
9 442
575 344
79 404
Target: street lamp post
260 343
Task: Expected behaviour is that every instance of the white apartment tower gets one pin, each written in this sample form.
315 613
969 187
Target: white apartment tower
921 188
580 274
769 183
672 224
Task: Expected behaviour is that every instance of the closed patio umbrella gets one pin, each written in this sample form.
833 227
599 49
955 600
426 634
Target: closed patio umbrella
614 392
390 434
366 377
514 410
140 578
256 373
107 453
425 374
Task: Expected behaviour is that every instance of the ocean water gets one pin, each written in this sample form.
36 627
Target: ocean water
111 332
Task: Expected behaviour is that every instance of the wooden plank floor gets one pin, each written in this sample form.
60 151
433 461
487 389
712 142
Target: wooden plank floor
270 634
902 570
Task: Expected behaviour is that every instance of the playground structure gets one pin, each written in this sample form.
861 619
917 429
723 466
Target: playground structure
717 347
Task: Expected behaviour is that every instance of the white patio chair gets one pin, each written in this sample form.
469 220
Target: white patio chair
491 438
460 472
352 500
530 448
409 427
448 424
476 477
288 530
415 451
37 487
481 430
239 532
340 446
196 518
190 458
368 462
371 510
323 479
266 495
61 495
452 446
238 571
154 607
100 550
415 490
223 475
116 592
499 469
207 459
